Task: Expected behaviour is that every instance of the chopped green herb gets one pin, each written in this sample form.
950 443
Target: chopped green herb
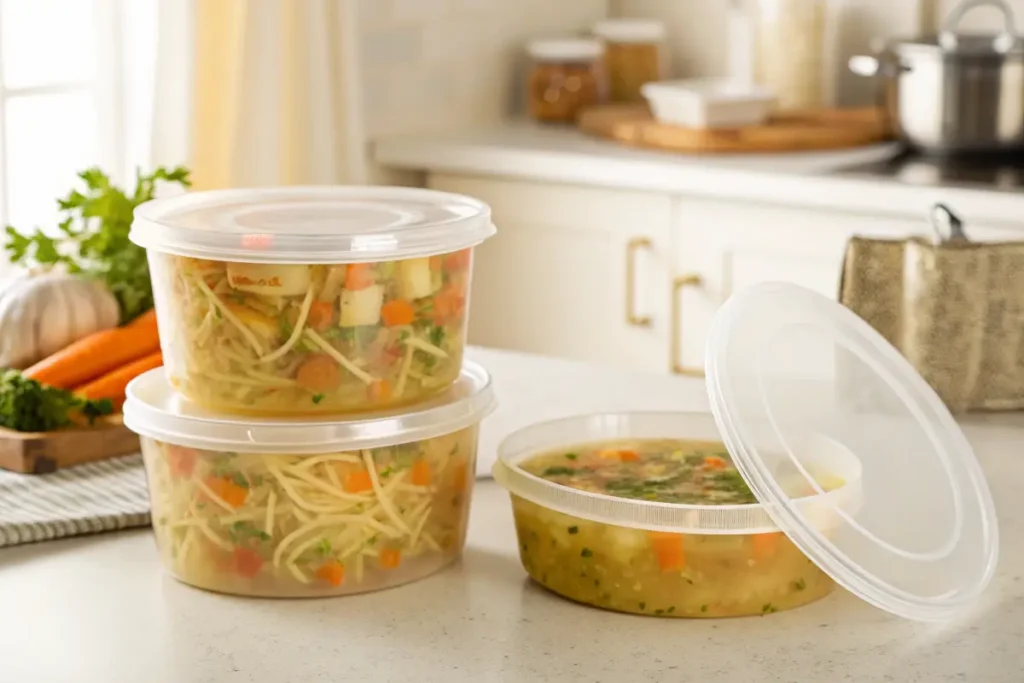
671 609
643 605
317 398
242 531
437 335
324 547
558 471
659 611
799 584
703 608
240 479
586 552
331 333
574 530
768 608
572 456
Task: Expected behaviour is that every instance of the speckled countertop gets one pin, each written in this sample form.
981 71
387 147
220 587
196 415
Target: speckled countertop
100 610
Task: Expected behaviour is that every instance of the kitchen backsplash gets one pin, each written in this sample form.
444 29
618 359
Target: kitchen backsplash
434 65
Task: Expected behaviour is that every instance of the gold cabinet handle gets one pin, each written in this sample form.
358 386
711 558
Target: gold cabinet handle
676 330
634 245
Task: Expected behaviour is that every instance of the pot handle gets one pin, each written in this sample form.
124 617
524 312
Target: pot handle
1002 43
866 65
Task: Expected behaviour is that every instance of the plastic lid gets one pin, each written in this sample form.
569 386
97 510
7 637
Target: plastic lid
565 49
786 368
153 409
630 30
312 224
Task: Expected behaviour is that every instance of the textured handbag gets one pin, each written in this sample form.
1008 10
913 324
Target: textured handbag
954 308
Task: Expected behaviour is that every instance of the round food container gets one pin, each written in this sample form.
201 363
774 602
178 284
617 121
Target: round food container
311 300
566 78
313 508
826 459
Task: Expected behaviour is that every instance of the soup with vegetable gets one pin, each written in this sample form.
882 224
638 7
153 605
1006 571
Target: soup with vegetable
652 572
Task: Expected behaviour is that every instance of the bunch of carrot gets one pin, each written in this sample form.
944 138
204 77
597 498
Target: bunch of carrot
102 364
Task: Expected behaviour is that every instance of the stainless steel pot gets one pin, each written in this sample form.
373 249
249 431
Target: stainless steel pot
953 93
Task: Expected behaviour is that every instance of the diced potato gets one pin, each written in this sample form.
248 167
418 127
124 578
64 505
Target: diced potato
269 278
415 278
361 306
263 326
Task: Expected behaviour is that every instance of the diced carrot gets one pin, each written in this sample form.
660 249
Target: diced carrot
319 373
390 558
333 572
620 455
228 491
181 460
379 391
460 476
321 315
436 262
449 304
359 276
713 462
629 456
358 482
766 545
397 312
668 548
420 474
458 260
248 562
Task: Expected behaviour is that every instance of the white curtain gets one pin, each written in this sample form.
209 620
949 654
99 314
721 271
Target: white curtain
257 92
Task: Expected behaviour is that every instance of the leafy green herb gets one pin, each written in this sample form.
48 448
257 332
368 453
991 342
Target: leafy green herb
768 608
659 612
240 479
436 335
240 532
671 609
94 240
331 333
586 552
324 547
799 584
284 328
703 608
571 456
317 398
643 605
574 530
557 471
28 406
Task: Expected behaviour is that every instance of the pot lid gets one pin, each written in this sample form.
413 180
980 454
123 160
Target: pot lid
789 369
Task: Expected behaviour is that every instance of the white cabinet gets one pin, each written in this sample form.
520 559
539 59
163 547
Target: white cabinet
574 272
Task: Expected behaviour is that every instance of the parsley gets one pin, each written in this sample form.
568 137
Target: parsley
703 608
324 547
799 584
242 531
93 238
28 406
574 530
240 479
586 552
317 398
557 471
768 608
436 335
571 456
671 609
659 612
643 605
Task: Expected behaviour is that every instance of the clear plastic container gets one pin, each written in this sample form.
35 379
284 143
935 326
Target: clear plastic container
566 78
308 508
790 46
725 560
311 300
634 55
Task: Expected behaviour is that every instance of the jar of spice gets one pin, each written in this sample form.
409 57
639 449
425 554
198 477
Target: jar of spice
790 51
634 55
566 77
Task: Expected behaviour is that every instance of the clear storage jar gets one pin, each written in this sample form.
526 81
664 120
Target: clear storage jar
790 51
634 55
566 77
308 508
311 300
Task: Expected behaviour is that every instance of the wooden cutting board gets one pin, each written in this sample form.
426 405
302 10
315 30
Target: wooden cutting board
817 129
39 453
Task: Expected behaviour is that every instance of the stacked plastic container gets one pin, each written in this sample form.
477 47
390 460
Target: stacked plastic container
314 429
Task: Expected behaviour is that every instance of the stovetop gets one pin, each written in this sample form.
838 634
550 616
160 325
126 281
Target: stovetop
1002 173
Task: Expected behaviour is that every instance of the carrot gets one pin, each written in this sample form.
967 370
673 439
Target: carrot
460 476
333 572
458 260
98 354
420 473
449 304
397 312
380 390
629 456
668 548
181 460
358 482
713 462
321 315
248 562
436 263
113 384
228 491
359 276
765 545
390 558
319 373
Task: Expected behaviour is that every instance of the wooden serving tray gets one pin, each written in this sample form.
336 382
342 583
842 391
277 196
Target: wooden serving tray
42 452
813 129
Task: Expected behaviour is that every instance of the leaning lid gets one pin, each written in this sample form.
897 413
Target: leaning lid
786 368
312 224
630 30
153 409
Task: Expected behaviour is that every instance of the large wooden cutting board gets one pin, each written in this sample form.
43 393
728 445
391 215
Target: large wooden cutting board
817 129
39 453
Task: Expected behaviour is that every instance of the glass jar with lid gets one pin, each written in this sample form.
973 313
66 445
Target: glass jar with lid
634 55
566 77
790 51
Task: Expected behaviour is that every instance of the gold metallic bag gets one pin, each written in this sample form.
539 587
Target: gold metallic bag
954 308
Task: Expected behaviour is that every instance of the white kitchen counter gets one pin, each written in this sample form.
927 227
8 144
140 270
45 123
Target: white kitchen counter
100 610
564 155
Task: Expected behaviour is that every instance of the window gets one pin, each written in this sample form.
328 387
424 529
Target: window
75 84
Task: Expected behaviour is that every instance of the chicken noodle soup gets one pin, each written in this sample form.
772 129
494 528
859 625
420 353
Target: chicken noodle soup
280 525
273 338
653 572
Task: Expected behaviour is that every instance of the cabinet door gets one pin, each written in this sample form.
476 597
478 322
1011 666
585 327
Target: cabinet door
725 247
568 268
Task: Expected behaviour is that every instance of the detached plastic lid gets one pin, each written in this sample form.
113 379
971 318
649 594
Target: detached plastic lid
565 49
312 224
788 368
153 409
630 30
